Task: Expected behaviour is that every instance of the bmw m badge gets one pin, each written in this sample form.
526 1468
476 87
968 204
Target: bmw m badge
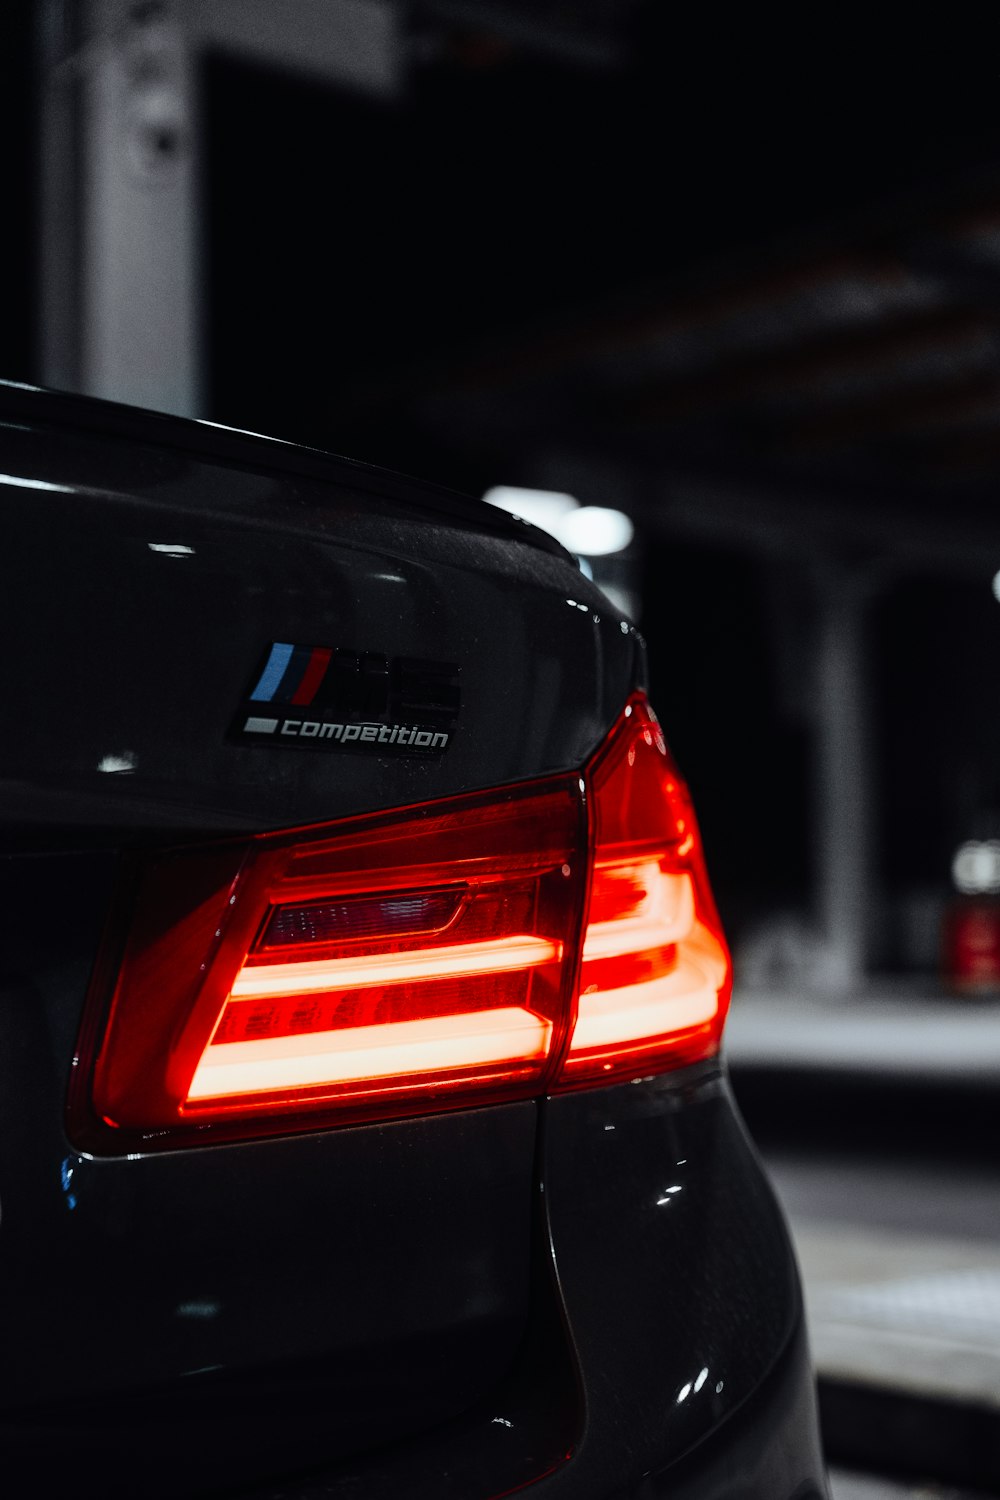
326 698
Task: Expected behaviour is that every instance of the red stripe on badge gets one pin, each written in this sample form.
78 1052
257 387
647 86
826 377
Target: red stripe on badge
313 676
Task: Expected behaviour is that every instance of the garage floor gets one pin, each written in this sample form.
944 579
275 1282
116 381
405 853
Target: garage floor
879 1121
849 1486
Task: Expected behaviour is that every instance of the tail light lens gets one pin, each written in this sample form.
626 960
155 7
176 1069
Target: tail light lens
492 947
382 963
655 974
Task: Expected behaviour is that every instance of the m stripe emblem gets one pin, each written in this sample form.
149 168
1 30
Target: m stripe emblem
274 671
313 675
292 674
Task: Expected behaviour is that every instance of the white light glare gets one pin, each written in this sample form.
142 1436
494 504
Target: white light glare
541 507
595 531
16 481
996 586
126 761
976 867
586 530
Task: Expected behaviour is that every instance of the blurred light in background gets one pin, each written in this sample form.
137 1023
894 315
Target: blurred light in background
996 586
542 508
595 534
586 530
976 867
595 531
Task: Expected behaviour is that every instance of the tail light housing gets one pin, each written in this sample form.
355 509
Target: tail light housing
495 946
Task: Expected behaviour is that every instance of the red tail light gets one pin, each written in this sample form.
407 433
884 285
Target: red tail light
655 974
492 947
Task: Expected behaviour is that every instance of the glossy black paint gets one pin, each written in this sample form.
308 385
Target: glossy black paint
443 1308
311 1315
674 1265
135 660
643 1294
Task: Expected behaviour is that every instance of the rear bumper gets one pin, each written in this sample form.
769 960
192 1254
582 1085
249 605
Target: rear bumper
663 1352
768 1449
639 1290
681 1294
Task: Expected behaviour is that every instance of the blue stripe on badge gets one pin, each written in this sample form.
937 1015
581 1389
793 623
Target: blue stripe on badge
274 671
293 675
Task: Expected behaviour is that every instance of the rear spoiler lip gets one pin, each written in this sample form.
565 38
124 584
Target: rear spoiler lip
39 405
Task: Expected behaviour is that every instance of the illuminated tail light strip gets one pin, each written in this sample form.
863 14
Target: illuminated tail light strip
685 997
542 937
662 909
506 1035
501 956
655 972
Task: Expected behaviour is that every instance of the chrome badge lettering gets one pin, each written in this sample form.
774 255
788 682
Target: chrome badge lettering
381 734
325 698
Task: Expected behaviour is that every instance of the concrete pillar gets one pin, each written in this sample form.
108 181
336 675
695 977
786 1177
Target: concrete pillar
123 311
843 783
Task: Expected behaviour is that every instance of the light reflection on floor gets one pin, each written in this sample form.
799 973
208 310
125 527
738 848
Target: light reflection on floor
845 1486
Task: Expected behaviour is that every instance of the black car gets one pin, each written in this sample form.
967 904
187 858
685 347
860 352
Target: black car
364 1131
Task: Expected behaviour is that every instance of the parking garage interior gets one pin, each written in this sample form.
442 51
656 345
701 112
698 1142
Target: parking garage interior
738 279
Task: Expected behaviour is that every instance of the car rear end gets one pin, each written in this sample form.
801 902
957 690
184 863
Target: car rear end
364 1131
